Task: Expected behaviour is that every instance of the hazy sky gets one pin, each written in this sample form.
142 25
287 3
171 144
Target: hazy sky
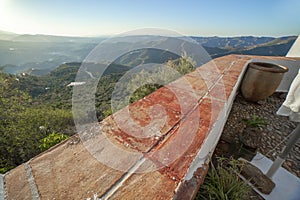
195 17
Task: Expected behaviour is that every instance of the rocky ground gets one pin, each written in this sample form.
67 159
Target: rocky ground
274 134
269 138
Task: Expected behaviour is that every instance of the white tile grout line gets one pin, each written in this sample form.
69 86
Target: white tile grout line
119 184
210 143
30 179
116 186
2 187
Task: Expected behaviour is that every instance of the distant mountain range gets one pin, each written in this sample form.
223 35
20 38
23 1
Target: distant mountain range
40 54
248 45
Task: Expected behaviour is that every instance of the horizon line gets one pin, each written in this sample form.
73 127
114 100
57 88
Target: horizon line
116 34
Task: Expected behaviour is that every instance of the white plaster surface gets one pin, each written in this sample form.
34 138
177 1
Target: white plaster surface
2 192
295 49
287 185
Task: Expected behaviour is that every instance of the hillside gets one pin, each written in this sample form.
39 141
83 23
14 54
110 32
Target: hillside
40 54
36 99
27 128
241 42
36 111
264 46
274 48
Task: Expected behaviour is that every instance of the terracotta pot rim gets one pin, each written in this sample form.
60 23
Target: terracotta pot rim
268 67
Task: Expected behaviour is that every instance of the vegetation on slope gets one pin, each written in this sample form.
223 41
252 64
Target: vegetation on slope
23 125
35 112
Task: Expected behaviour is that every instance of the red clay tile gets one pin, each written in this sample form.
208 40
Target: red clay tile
151 185
228 80
235 70
174 98
193 83
174 155
212 106
210 75
179 167
69 171
221 91
218 66
223 64
142 123
128 140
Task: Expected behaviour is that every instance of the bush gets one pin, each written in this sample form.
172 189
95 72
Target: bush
51 140
23 124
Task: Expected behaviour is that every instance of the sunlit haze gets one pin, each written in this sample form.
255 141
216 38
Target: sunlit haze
196 17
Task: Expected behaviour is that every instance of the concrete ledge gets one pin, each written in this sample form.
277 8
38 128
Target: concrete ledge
2 189
156 148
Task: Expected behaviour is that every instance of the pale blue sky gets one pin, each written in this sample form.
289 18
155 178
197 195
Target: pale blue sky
195 17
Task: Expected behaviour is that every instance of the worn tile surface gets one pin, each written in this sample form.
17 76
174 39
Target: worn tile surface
143 151
17 186
71 172
174 98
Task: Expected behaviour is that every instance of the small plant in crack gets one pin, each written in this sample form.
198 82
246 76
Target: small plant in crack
255 121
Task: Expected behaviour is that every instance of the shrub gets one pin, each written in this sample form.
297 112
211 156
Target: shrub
51 140
223 182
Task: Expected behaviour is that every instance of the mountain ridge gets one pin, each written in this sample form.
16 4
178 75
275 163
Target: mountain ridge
44 53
